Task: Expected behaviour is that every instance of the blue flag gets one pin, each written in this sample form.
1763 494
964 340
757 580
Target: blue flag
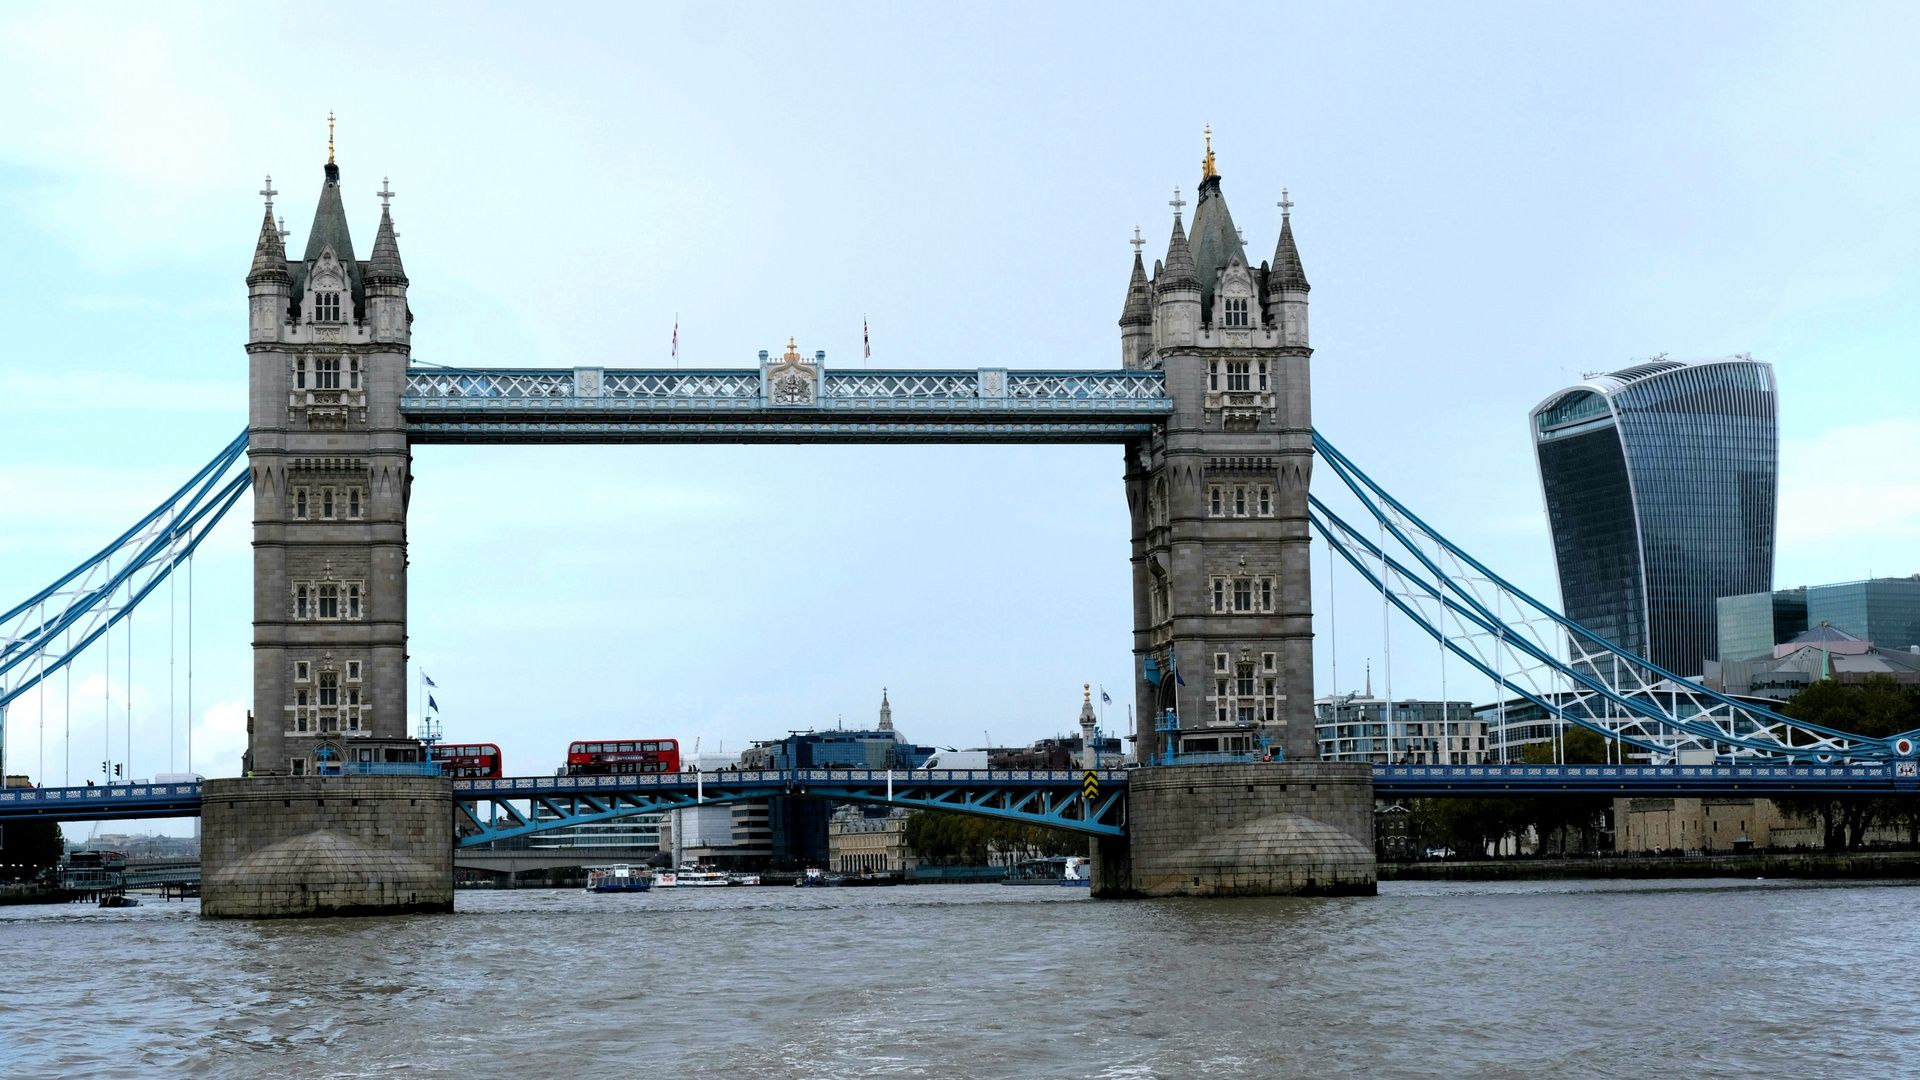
1176 674
1104 697
431 704
428 681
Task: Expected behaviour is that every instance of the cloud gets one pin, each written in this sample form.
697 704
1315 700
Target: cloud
220 738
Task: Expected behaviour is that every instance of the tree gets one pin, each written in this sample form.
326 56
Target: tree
1877 708
969 840
29 847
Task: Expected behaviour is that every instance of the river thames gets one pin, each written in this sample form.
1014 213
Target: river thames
1628 979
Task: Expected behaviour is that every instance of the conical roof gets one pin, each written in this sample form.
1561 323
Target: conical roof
1288 274
384 266
1179 269
1139 308
269 255
1214 240
330 230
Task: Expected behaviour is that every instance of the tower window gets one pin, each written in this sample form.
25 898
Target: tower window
326 306
353 373
326 373
1236 311
1219 661
329 601
1263 374
1213 374
1266 664
353 671
300 698
300 611
1237 377
300 672
1242 594
300 503
1214 495
1266 501
353 503
1266 594
329 688
1240 502
353 601
1219 594
300 373
326 503
1245 680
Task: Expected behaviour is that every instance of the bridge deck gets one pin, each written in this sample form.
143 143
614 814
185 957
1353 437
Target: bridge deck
533 405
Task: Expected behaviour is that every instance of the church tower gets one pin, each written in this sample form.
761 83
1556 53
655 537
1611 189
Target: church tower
1223 621
327 347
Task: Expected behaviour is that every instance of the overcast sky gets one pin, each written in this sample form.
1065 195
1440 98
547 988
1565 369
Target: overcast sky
1489 201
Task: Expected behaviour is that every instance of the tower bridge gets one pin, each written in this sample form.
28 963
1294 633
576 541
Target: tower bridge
1208 406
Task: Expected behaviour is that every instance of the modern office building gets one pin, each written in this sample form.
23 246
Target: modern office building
1753 624
1357 727
1885 611
1660 484
1822 652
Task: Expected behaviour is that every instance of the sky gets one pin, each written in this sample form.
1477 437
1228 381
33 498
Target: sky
1489 201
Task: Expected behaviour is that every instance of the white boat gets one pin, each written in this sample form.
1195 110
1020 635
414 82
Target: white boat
666 879
743 879
618 878
700 877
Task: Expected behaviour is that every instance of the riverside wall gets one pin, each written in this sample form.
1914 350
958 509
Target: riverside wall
1814 865
303 846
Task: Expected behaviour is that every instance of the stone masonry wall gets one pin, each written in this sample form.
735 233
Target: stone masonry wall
1252 829
297 846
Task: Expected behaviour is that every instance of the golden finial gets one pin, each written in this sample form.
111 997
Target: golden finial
1086 692
793 351
1206 166
330 138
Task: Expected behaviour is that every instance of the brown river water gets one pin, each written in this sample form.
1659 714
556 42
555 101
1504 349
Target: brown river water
1559 979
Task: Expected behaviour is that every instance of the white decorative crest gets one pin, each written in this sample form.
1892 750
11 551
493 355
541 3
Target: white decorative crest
793 379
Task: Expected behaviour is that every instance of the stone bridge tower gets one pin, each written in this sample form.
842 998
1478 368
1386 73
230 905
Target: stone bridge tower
327 350
1219 500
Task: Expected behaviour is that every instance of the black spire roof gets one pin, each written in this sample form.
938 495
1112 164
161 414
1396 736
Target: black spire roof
1139 309
330 230
1215 240
1287 275
384 265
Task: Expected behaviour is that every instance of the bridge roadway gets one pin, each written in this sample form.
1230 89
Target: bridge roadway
1003 792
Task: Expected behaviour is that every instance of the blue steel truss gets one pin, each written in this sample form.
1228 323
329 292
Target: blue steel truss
44 634
504 809
452 405
1516 640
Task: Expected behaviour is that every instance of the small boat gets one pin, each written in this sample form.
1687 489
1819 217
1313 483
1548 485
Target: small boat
743 879
1038 872
618 878
814 878
1079 873
118 900
666 879
702 877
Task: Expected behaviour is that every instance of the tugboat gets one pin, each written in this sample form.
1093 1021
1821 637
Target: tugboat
618 878
1079 873
814 878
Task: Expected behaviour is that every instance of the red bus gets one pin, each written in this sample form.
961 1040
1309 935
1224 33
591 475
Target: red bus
633 756
473 761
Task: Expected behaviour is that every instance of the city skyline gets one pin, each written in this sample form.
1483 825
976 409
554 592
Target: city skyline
136 236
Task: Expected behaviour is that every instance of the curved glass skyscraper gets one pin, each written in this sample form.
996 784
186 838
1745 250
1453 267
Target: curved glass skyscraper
1660 483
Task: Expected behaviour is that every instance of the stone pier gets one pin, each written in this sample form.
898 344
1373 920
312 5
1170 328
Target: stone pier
304 846
1244 829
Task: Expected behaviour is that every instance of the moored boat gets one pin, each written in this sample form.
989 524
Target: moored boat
702 877
814 878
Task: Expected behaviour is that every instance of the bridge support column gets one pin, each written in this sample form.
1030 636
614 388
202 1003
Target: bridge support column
304 846
1246 829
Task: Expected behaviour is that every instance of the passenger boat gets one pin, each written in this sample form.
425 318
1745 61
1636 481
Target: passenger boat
666 879
743 879
814 878
702 877
618 878
1038 872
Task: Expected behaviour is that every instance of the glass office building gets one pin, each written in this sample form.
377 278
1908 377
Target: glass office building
1885 611
1660 485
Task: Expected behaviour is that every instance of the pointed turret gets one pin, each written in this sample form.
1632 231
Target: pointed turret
1136 317
1180 272
269 254
886 711
384 265
329 231
1287 283
1215 242
1176 289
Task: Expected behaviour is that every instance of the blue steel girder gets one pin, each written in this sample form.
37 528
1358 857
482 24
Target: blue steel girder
609 405
1050 798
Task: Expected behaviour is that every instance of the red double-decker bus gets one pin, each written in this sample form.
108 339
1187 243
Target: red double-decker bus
472 761
627 756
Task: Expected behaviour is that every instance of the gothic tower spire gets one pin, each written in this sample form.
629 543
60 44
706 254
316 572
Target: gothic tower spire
1136 317
886 711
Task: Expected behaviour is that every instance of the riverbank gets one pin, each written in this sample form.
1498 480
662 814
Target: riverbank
1814 865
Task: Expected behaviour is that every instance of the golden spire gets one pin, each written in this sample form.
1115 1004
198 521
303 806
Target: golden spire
1086 693
330 139
1206 166
793 351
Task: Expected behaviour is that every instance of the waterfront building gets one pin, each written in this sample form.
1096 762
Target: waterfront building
1058 752
1361 727
1660 483
1824 652
1753 624
1885 611
869 839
